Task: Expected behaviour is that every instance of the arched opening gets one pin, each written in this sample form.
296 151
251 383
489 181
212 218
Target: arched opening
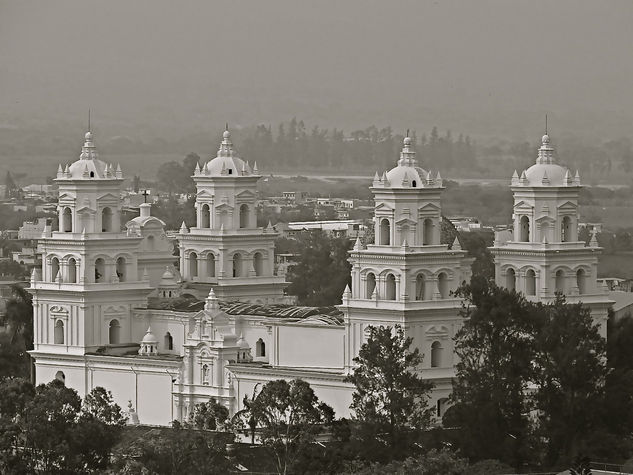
436 354
205 373
427 230
99 270
106 220
67 220
441 406
390 290
169 341
560 281
442 285
237 265
193 265
60 376
385 232
371 284
72 271
258 263
92 174
54 268
121 271
260 348
581 281
244 216
420 287
114 332
565 229
530 282
205 216
151 242
210 265
511 279
414 184
524 229
58 337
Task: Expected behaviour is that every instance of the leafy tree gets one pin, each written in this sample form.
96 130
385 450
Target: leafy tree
15 394
210 416
289 416
19 339
571 369
390 396
173 177
322 271
178 450
496 349
434 462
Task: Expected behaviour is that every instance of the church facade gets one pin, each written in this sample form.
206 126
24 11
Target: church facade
111 309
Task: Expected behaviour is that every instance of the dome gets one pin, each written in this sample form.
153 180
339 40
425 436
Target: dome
546 174
243 344
407 173
168 278
149 337
89 165
226 163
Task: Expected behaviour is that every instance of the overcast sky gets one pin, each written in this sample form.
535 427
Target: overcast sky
166 67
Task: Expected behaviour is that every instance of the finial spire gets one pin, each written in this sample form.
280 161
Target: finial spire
407 132
89 129
545 124
227 126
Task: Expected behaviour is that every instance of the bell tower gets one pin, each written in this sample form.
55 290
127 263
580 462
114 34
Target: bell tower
543 256
90 281
226 249
407 277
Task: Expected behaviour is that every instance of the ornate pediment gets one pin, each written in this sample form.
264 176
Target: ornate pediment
246 195
406 221
523 205
436 332
545 219
224 207
58 309
109 197
428 207
383 207
66 197
567 205
204 194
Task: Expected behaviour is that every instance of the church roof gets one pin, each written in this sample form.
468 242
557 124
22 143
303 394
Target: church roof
227 162
89 166
407 173
546 172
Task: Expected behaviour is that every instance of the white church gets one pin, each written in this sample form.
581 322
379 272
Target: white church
108 309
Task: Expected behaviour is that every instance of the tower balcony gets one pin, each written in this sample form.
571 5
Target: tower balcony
90 287
401 305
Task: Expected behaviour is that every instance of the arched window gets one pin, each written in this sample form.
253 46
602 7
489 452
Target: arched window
442 285
565 229
258 263
560 281
385 232
100 270
205 216
54 268
205 374
114 332
371 284
106 220
441 406
390 291
151 242
511 279
427 229
260 348
524 229
414 184
244 216
67 220
210 265
420 287
193 265
72 271
237 265
121 269
436 354
581 281
60 376
530 282
169 341
59 333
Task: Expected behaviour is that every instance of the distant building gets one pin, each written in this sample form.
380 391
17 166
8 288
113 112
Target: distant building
465 224
32 229
345 228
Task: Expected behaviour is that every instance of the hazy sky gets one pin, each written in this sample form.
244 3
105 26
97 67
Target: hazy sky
167 68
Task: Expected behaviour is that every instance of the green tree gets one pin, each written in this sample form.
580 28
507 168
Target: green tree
390 398
571 370
289 416
495 350
15 395
14 359
322 271
209 416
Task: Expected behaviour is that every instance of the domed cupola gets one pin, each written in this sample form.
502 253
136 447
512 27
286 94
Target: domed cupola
168 286
149 344
407 173
546 172
89 166
226 163
243 350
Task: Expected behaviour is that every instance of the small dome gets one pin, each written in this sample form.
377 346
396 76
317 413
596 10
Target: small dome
149 337
226 163
397 175
407 140
89 166
226 135
545 139
243 344
168 279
